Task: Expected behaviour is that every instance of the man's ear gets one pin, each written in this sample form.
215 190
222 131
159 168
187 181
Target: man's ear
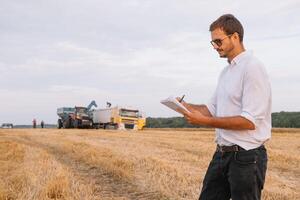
236 36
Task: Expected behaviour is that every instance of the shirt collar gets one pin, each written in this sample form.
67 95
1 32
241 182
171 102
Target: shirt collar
236 60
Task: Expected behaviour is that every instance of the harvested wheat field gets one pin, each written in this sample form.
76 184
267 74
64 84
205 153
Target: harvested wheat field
150 164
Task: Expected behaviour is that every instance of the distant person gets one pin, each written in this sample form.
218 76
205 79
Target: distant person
240 110
42 124
34 123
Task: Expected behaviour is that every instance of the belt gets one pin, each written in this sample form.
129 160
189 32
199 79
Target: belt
233 148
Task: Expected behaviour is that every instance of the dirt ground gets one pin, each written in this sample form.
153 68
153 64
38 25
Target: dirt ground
150 164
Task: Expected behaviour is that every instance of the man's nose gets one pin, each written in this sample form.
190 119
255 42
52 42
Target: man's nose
216 47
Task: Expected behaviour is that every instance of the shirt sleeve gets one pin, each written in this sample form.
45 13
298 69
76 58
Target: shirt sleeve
256 93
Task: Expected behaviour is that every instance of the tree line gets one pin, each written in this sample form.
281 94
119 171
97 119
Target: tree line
279 120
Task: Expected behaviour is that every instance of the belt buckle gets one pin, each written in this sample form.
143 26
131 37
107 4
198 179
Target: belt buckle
220 148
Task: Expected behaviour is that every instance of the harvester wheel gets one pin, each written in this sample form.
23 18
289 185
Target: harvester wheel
67 124
75 123
59 123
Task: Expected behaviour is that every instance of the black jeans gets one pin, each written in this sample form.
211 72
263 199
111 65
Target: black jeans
236 175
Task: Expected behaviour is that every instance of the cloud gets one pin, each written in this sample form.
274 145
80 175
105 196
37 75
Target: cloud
56 53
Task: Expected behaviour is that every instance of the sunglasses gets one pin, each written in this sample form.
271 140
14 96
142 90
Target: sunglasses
218 42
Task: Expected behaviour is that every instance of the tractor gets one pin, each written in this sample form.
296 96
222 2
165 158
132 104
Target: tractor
75 117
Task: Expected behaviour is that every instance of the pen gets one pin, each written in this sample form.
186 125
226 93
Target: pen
181 98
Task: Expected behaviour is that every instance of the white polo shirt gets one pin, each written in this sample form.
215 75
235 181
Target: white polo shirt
243 90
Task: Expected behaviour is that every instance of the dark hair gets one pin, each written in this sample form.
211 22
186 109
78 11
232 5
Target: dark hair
229 24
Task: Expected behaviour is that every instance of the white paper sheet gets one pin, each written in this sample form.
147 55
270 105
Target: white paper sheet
174 104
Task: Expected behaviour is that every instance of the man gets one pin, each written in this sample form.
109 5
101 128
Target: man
240 110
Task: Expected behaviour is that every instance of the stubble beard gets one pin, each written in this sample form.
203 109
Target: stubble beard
224 53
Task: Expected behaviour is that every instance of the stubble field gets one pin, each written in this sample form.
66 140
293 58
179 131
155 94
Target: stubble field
150 164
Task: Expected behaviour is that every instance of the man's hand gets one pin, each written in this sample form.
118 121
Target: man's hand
194 116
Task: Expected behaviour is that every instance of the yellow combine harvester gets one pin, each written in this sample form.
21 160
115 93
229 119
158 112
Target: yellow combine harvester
118 118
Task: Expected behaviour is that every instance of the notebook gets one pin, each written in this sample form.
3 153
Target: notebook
174 104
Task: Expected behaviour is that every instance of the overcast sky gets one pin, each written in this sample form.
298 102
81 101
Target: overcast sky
134 53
